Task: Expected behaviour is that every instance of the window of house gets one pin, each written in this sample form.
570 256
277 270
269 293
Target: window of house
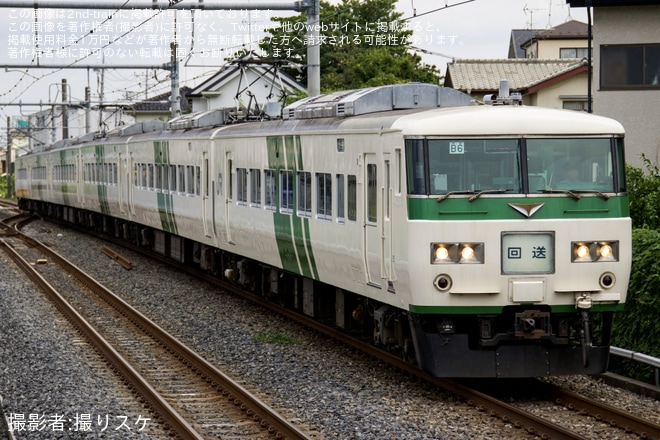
573 52
580 106
630 66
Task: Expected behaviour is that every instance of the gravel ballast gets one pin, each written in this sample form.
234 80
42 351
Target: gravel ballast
330 389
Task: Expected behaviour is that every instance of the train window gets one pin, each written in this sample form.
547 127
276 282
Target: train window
351 182
150 176
397 170
144 175
181 179
158 177
173 178
416 166
206 177
198 180
241 186
165 175
304 194
474 165
190 180
372 193
230 173
286 191
578 164
255 188
340 198
324 196
388 184
270 190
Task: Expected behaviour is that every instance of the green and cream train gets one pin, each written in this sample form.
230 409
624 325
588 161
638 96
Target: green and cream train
479 240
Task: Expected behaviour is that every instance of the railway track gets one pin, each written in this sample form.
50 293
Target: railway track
190 396
623 425
526 421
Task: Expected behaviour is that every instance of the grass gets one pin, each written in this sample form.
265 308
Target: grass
274 337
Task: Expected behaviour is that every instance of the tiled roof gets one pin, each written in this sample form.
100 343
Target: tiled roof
233 70
570 30
161 103
518 38
485 75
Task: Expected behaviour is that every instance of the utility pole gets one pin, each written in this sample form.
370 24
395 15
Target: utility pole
9 162
174 80
65 110
314 49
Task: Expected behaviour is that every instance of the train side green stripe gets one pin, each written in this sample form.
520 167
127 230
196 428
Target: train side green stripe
102 189
291 231
64 186
165 200
497 208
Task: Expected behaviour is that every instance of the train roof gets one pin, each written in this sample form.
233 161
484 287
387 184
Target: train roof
506 120
415 109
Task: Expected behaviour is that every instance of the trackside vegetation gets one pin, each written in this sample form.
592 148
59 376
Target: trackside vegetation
638 327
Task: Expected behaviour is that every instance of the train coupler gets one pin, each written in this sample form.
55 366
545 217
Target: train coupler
532 324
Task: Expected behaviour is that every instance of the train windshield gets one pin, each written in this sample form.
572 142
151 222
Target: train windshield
513 166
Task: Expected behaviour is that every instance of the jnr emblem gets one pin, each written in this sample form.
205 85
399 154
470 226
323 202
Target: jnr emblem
528 209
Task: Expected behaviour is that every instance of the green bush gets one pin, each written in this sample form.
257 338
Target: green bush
637 328
644 195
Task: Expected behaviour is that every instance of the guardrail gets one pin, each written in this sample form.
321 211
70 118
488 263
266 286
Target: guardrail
639 357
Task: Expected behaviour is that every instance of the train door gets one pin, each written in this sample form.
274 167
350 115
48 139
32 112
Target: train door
203 185
228 171
122 184
80 193
131 184
374 238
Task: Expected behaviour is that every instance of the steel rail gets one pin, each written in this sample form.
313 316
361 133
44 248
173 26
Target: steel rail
495 407
171 417
603 412
251 404
508 413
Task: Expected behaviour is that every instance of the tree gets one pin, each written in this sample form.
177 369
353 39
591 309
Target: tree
644 195
363 44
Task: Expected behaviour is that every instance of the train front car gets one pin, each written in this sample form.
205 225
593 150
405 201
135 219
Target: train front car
519 240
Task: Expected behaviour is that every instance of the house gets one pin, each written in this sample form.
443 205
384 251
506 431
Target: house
545 83
159 107
244 83
548 67
567 40
626 70
518 38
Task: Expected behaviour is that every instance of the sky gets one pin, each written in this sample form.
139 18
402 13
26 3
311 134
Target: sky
444 29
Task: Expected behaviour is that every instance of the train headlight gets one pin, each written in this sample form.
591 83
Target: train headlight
467 253
594 251
582 252
457 253
441 254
